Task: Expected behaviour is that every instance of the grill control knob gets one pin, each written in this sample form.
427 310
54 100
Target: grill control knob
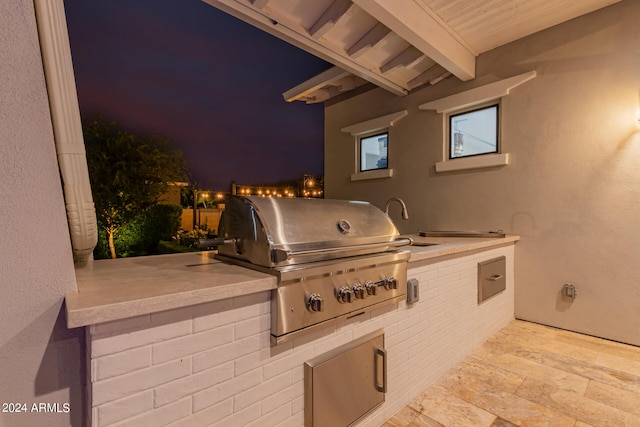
372 288
345 294
315 303
390 283
359 291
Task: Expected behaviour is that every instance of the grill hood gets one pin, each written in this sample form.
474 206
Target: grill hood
271 232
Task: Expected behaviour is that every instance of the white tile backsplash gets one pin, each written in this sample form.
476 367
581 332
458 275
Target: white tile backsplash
213 363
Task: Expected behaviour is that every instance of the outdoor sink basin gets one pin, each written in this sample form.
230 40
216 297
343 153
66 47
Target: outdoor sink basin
423 243
462 233
434 238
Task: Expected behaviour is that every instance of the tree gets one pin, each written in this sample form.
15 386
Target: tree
128 173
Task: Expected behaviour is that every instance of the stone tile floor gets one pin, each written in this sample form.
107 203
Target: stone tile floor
533 375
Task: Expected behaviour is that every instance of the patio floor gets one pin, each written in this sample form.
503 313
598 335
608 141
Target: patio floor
533 375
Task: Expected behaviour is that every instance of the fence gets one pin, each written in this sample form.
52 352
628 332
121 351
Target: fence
209 217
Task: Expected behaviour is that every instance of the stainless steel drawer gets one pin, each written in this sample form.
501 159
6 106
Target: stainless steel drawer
492 277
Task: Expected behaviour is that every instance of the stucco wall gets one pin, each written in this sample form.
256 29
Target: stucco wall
572 189
40 360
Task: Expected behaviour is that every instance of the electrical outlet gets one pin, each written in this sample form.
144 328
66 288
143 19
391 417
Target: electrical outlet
413 291
569 290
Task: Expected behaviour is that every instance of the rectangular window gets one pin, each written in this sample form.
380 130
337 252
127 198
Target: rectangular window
474 132
374 152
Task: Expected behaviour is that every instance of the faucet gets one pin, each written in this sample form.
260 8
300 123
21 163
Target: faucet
405 214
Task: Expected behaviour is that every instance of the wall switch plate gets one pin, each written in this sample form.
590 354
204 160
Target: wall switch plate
413 291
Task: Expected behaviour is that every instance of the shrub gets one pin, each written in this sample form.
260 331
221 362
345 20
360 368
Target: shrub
142 236
190 238
162 222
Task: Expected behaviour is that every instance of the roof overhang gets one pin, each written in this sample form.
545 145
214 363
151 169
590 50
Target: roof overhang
398 45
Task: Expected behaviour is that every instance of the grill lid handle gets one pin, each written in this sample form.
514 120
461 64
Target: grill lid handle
206 243
279 255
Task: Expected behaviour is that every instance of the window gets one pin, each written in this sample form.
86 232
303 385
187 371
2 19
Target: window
474 132
374 152
478 98
372 146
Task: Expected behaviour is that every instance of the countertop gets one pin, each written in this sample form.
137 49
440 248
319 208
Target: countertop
126 287
118 288
443 246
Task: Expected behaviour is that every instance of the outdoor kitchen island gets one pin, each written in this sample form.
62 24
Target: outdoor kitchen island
185 339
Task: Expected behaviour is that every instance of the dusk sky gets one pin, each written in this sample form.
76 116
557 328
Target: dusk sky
207 81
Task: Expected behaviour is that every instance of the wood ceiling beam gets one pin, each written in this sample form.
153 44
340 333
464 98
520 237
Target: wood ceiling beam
300 37
432 76
347 84
260 4
369 40
418 25
320 95
408 58
329 17
314 84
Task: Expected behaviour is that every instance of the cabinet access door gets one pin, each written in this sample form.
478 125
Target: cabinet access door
345 384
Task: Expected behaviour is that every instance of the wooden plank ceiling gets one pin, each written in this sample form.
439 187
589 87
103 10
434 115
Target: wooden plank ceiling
398 45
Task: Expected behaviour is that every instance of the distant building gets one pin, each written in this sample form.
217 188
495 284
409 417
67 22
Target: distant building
172 195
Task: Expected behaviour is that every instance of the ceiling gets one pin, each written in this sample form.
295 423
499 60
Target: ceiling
398 45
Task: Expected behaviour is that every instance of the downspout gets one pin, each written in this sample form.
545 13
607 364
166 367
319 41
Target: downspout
67 128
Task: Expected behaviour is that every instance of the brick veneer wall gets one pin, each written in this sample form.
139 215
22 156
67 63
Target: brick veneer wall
212 364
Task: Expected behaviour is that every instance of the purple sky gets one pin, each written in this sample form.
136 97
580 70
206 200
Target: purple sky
209 82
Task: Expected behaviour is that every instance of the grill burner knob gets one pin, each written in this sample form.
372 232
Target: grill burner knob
372 288
345 294
315 303
359 291
390 283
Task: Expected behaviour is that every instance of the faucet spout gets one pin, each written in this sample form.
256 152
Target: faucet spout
405 213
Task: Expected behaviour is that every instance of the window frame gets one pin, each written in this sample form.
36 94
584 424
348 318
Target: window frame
360 139
474 97
479 107
370 127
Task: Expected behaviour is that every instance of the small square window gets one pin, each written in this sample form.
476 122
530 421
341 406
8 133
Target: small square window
374 152
474 132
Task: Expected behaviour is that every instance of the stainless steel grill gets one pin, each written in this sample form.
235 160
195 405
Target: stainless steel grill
333 258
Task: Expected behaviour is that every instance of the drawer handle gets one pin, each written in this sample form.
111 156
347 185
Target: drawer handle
495 277
381 354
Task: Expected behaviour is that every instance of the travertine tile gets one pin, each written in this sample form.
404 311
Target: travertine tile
530 328
499 422
619 363
577 367
613 396
591 371
528 368
600 345
533 375
437 403
408 417
507 405
575 405
536 347
493 375
534 336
